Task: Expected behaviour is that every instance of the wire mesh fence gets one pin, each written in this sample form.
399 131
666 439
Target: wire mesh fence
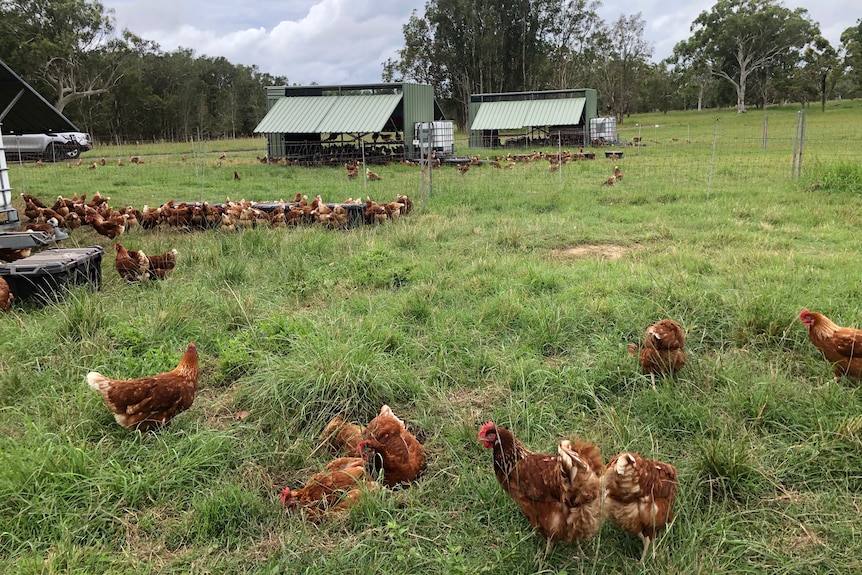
704 156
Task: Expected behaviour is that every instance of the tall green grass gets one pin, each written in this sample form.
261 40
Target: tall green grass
509 295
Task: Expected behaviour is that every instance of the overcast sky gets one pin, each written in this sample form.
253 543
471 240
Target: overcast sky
346 41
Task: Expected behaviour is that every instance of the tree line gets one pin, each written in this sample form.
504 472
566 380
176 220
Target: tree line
121 87
740 52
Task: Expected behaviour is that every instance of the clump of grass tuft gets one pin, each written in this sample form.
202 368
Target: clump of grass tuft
834 177
226 514
726 469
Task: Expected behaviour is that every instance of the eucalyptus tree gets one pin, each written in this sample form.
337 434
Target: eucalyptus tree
63 47
463 47
625 59
851 43
737 38
692 74
822 67
573 35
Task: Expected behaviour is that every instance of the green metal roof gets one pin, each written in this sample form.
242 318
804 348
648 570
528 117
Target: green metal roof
500 116
299 114
323 114
511 115
356 114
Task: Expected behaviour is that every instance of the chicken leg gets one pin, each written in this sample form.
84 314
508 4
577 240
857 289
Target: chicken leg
646 540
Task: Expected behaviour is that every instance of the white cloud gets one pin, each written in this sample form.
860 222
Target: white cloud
346 42
332 41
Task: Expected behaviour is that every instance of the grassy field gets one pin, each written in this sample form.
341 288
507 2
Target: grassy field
509 295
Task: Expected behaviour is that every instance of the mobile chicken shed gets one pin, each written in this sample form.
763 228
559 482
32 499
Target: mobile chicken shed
524 119
332 124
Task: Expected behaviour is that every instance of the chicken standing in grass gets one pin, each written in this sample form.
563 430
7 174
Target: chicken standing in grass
639 495
374 213
840 346
162 265
560 494
132 266
150 402
110 228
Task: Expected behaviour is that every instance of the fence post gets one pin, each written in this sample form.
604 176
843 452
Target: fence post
765 132
712 161
801 145
798 140
365 175
560 153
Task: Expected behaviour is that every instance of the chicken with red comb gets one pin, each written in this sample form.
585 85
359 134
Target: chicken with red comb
840 346
153 401
561 494
336 488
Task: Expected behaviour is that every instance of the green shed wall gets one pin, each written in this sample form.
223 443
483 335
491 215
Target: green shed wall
417 104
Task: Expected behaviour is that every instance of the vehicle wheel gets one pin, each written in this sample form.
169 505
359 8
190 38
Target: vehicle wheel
55 152
71 152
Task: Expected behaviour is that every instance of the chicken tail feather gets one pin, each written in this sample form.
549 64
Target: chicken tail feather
96 380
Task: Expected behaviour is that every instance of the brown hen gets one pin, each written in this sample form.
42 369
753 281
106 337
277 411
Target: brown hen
841 346
14 254
639 495
374 213
163 264
560 494
6 296
150 402
387 446
661 352
110 228
337 487
132 266
342 436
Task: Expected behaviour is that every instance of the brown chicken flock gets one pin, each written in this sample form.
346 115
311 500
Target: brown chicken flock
136 266
231 215
566 496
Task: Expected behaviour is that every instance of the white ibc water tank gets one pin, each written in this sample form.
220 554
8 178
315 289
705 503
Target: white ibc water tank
440 135
603 129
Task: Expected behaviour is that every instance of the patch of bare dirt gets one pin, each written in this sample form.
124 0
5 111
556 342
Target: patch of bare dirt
605 251
805 540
